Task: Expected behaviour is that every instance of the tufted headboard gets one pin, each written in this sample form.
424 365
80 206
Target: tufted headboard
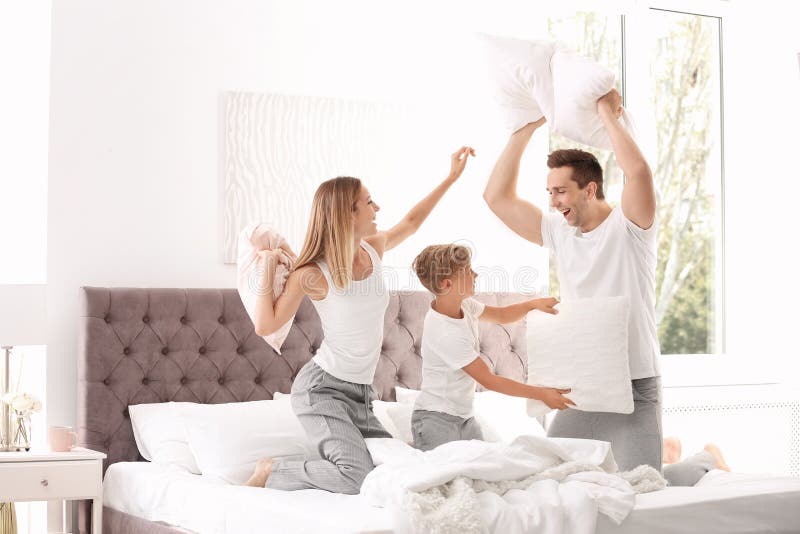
198 345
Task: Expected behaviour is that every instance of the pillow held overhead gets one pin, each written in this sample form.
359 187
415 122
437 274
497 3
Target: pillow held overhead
539 78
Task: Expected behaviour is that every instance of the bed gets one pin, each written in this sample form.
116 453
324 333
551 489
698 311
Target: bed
141 345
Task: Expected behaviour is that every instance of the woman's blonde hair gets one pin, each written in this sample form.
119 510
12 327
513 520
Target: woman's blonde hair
437 262
330 234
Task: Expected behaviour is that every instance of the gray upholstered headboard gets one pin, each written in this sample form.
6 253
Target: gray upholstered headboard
198 345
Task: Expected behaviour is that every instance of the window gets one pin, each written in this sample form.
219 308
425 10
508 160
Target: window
685 70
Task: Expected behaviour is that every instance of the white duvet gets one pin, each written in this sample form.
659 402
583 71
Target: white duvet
533 484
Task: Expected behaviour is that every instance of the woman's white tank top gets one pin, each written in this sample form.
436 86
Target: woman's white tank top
352 321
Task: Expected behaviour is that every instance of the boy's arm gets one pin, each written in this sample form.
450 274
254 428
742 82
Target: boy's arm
515 312
554 398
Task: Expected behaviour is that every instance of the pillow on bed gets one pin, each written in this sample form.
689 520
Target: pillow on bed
535 78
381 410
160 436
405 395
228 439
584 347
501 417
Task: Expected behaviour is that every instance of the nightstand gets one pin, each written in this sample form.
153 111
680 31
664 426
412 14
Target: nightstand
54 476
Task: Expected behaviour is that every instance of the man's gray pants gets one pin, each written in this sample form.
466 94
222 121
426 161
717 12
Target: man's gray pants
635 438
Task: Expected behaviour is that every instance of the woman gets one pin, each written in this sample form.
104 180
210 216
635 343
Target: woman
339 269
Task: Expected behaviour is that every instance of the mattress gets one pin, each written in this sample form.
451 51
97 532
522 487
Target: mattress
722 502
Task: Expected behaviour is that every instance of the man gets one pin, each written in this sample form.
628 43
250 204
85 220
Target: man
600 251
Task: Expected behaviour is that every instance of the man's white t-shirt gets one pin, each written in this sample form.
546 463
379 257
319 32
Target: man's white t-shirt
615 259
448 345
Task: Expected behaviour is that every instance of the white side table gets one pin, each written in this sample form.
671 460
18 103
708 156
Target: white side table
42 475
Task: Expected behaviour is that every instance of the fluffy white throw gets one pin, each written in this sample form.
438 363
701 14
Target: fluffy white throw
534 484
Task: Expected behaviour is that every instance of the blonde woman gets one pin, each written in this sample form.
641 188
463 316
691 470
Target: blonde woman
339 270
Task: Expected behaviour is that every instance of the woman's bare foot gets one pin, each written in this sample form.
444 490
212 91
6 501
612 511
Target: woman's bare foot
719 461
259 477
672 450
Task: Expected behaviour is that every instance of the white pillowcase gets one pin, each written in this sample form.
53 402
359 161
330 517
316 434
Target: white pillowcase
406 395
502 418
520 77
541 77
584 347
381 410
160 436
228 439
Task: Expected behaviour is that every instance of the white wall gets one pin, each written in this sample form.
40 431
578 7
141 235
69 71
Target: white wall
136 145
24 96
762 103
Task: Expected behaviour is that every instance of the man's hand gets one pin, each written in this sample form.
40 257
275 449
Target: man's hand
610 103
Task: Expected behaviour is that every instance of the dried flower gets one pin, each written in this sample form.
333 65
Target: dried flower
22 403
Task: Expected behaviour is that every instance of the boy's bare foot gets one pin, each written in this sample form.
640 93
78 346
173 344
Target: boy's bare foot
672 450
719 461
259 477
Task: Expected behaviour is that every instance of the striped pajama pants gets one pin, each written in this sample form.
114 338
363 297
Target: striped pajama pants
336 415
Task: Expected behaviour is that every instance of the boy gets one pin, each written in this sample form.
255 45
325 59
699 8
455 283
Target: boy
451 362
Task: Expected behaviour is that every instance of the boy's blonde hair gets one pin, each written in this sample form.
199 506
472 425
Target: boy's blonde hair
437 262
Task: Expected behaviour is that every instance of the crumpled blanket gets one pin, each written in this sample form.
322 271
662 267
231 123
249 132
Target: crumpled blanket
534 484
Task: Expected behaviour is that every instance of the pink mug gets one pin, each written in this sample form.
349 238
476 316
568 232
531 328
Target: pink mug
62 438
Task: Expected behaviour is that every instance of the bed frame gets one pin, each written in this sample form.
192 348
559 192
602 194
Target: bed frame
143 345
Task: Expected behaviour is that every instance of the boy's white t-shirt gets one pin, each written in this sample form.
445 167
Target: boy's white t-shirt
448 345
615 259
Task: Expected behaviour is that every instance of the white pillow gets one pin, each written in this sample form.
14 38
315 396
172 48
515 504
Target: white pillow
584 347
400 414
405 395
228 439
381 410
504 418
501 417
160 436
522 92
535 78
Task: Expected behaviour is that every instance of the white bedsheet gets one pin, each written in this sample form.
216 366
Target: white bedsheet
722 502
203 505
